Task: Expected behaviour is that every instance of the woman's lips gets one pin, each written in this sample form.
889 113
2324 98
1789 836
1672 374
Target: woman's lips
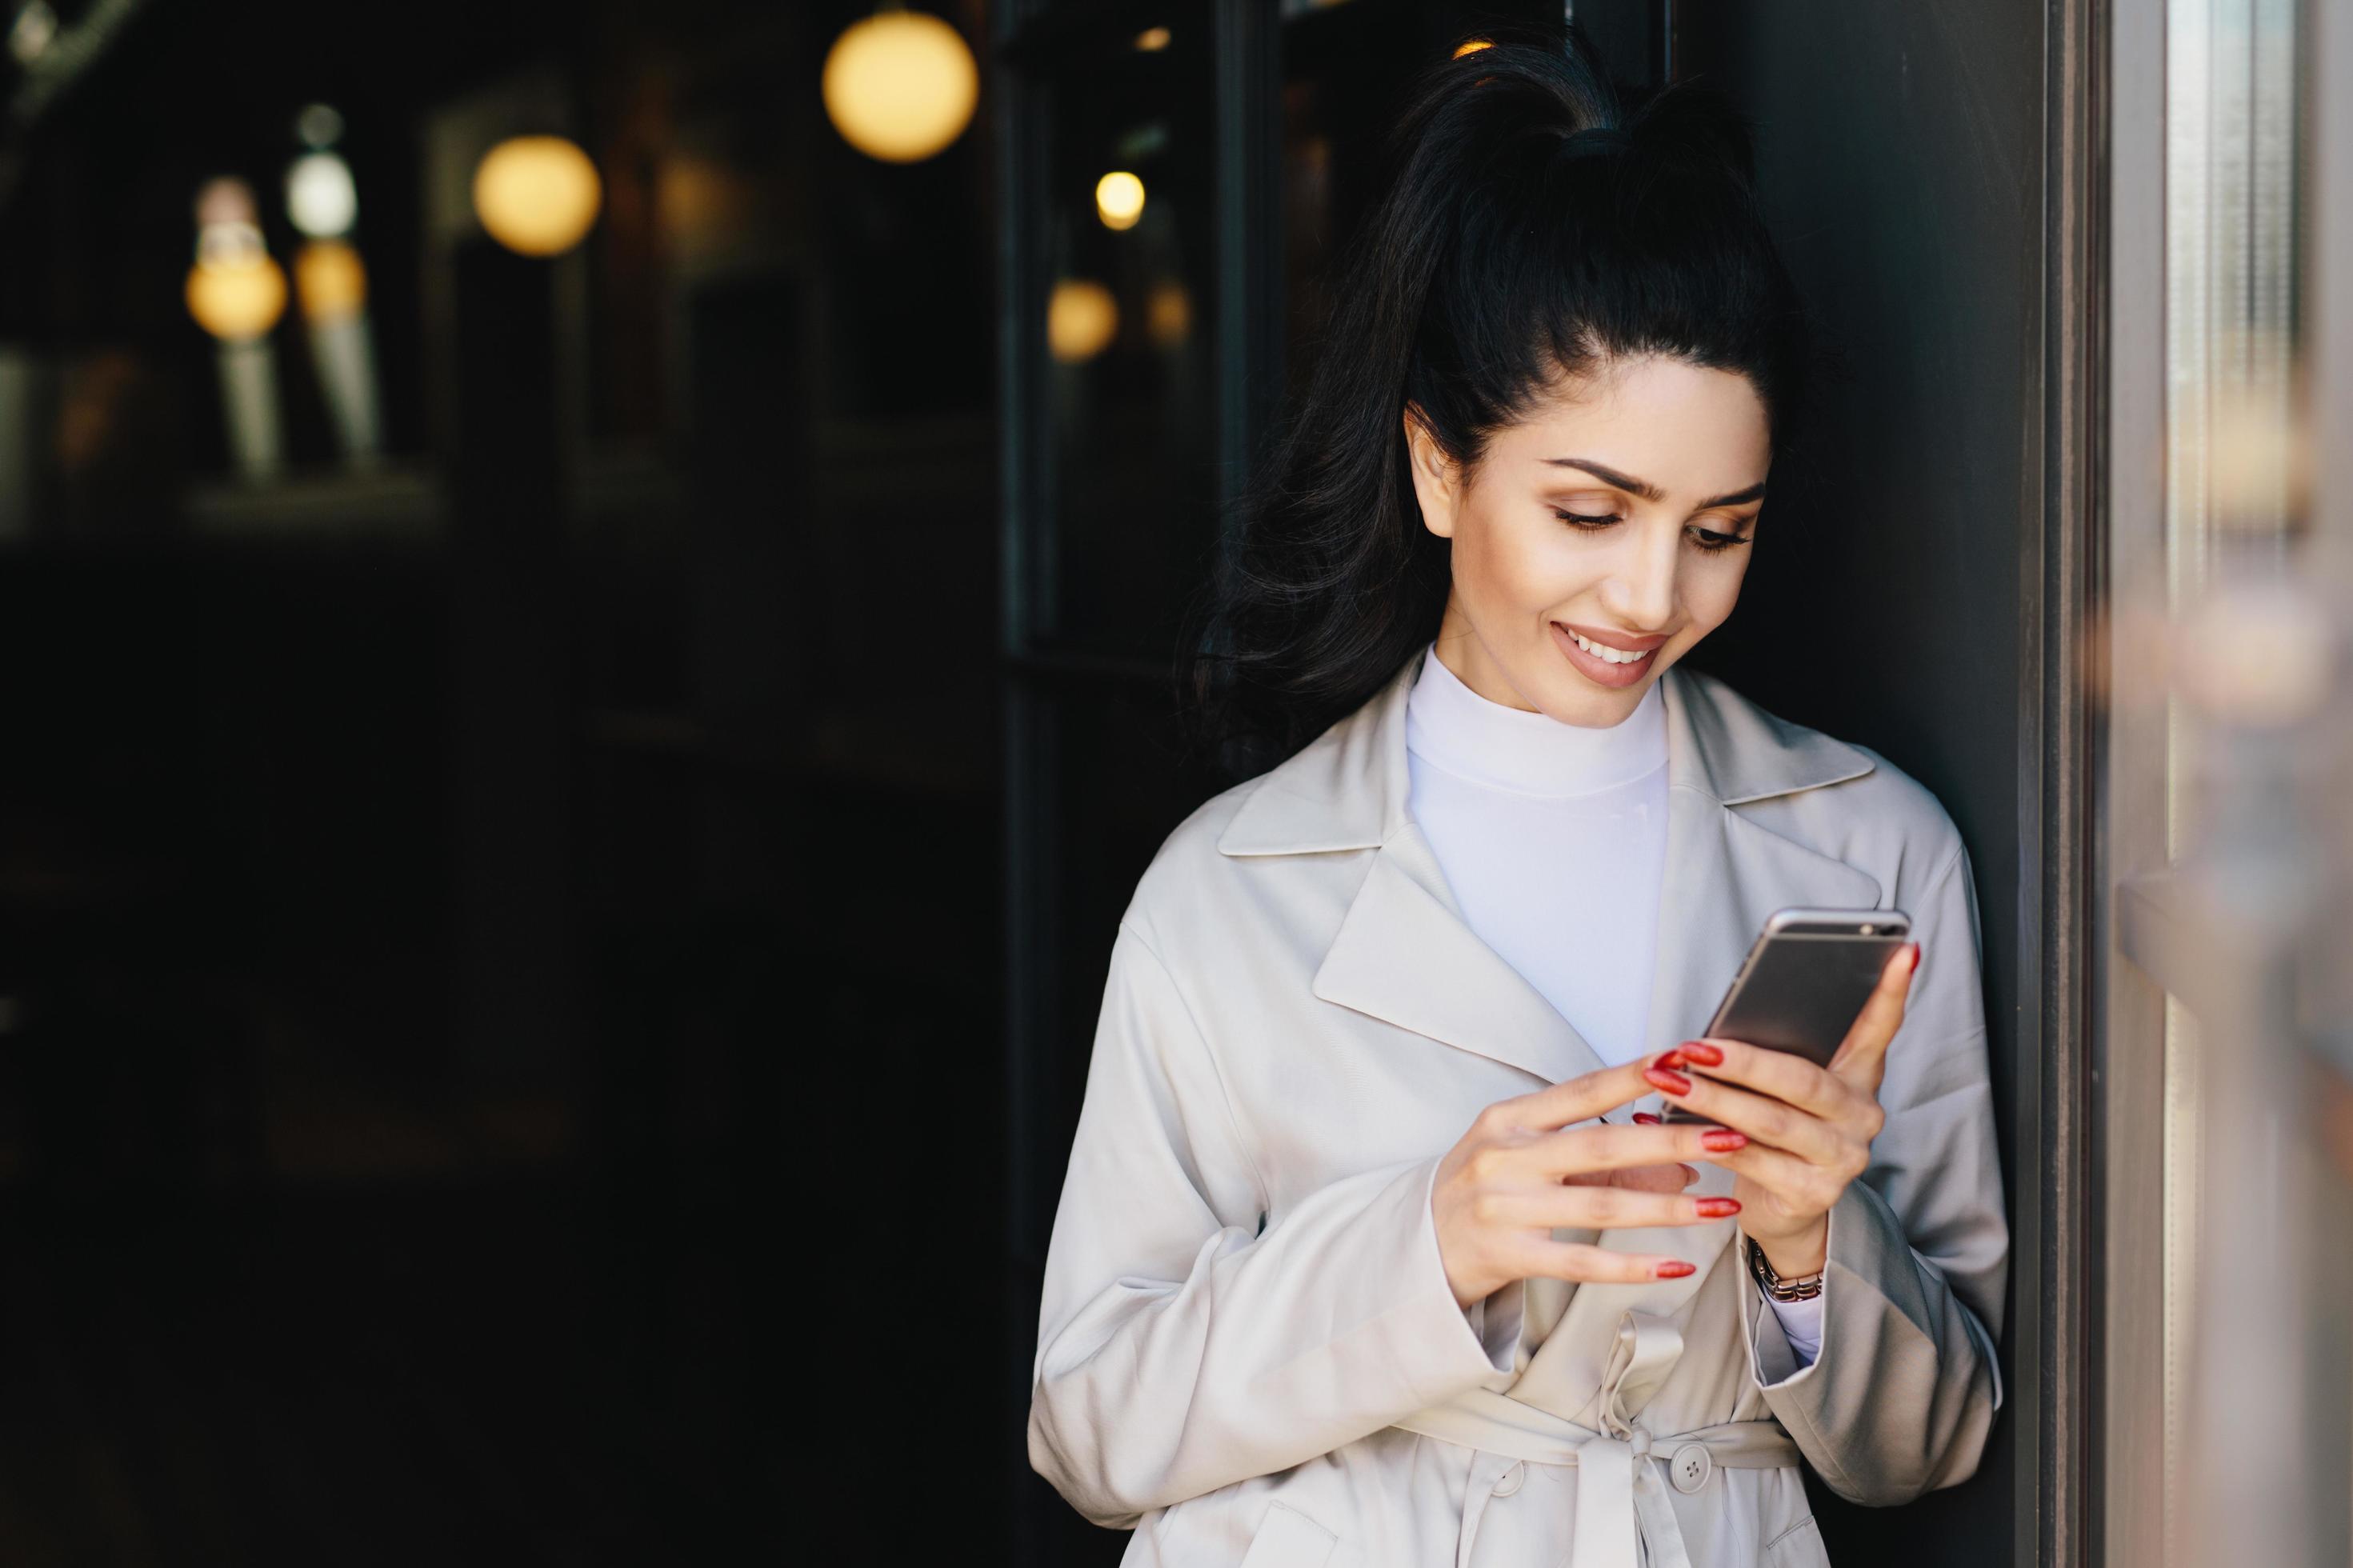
1600 670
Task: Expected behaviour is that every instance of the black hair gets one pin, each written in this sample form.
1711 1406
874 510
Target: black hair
1529 229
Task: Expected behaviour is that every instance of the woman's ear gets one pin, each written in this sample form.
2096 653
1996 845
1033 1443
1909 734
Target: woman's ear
1433 475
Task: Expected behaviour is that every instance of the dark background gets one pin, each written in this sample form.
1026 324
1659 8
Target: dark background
543 986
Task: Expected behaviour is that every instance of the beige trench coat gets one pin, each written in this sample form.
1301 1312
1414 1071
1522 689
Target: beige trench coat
1248 1350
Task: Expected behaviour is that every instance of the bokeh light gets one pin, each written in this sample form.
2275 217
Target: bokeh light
321 198
330 280
1168 313
236 301
900 86
1119 199
537 196
1081 318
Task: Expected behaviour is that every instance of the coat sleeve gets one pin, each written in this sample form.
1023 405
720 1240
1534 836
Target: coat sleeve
1181 1347
1902 1392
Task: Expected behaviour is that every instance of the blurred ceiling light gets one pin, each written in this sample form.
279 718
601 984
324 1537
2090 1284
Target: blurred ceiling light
1119 199
900 85
1081 318
537 196
319 126
36 27
330 280
320 195
1168 313
1152 39
1471 47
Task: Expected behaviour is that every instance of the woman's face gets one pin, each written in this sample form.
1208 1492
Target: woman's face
1668 461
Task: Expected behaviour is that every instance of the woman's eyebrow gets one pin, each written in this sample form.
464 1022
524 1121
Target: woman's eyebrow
1648 491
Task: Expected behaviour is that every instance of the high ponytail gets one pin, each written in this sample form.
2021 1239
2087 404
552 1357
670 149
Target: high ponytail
1530 228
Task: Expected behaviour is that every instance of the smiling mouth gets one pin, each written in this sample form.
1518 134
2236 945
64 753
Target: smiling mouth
1606 653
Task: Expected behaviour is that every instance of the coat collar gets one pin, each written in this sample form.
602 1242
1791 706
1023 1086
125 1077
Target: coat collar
1403 953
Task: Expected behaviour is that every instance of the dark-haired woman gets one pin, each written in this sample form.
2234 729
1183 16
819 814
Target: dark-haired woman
1373 1247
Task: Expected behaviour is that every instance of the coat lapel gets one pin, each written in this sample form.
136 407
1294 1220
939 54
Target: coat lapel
1403 952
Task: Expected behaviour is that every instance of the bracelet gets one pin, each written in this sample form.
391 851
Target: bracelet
1805 1288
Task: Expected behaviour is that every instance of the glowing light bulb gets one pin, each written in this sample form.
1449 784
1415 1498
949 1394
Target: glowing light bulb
900 86
1152 39
1119 199
537 196
1081 318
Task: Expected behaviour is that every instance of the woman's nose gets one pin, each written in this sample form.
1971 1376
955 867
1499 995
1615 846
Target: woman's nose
1643 587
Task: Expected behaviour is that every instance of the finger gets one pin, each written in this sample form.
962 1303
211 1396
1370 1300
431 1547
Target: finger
1574 1100
1596 1265
1780 1075
1671 1178
1862 1054
1764 1118
1601 1208
1801 1185
1614 1146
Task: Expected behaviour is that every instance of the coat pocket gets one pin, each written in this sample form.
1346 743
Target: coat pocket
1287 1538
1799 1546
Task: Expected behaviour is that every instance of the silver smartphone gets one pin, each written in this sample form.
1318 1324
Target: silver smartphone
1805 978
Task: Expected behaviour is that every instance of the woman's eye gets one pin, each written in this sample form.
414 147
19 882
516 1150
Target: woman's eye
1580 519
1713 542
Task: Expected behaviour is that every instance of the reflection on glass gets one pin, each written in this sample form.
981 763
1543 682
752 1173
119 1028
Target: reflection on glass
1128 512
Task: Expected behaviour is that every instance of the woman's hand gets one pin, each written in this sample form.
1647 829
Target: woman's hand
1809 1128
1520 1170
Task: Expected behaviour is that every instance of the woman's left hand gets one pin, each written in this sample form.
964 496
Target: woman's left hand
1809 1128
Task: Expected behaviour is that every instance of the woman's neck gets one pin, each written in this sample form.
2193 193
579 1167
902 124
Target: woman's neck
1453 727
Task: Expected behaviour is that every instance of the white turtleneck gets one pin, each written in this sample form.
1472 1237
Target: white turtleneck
1553 837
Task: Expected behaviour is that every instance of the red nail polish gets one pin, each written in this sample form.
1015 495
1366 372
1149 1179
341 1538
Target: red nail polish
1671 1082
1915 956
1644 1118
1716 1208
1702 1053
1676 1270
1670 1059
1723 1141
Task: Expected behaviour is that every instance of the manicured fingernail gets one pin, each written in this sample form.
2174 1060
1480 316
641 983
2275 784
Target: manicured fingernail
1670 1060
1723 1141
1716 1208
1671 1082
1675 1270
1915 956
1644 1118
1702 1053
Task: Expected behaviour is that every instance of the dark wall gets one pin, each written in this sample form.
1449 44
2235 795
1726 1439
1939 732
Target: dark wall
1900 156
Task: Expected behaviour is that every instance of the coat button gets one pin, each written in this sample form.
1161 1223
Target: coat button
1511 1479
1690 1466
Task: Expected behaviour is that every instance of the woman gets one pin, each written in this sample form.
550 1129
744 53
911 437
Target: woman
1373 1248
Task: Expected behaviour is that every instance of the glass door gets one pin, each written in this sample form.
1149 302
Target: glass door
2228 798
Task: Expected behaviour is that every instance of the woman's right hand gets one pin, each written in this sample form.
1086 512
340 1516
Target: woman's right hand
1522 1170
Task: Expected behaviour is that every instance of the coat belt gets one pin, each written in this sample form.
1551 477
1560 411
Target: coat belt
1621 1487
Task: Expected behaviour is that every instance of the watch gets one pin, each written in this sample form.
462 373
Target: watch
1805 1288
